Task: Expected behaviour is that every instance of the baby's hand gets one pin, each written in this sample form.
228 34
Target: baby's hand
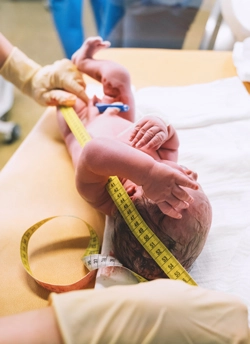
149 132
164 186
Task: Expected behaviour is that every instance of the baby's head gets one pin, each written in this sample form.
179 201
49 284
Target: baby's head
184 238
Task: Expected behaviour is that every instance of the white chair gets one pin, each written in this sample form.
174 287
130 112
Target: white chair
209 30
212 25
236 14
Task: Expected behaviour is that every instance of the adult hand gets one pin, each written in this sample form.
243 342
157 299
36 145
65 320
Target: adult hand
47 85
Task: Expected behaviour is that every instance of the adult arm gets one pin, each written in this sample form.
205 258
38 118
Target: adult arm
5 49
34 327
152 312
46 85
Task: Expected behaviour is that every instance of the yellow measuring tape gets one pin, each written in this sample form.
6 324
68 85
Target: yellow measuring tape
152 244
92 259
93 248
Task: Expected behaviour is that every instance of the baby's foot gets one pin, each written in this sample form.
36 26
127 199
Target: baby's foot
89 48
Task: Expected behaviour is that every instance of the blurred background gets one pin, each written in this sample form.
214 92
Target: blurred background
39 29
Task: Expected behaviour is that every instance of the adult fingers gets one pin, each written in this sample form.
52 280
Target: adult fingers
58 97
77 88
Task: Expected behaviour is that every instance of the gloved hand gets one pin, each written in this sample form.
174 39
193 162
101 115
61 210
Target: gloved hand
160 311
46 84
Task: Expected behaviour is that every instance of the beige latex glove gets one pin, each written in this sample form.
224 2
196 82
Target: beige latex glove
161 311
45 84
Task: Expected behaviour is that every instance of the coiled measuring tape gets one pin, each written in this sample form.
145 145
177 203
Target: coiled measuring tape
152 244
92 248
91 259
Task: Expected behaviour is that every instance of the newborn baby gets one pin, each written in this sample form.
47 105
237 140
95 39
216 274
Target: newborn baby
144 156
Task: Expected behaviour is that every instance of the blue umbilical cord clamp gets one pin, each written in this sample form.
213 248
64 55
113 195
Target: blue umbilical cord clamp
102 106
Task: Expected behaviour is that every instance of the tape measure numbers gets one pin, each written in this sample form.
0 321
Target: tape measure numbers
157 250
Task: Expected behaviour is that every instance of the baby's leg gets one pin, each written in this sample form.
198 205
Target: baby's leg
89 48
114 77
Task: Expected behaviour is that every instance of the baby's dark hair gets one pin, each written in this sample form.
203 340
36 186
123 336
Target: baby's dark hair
185 247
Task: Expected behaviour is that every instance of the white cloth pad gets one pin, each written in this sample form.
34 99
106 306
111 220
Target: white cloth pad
213 124
241 59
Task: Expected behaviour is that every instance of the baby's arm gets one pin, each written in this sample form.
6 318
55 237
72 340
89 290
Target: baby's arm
103 157
152 132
